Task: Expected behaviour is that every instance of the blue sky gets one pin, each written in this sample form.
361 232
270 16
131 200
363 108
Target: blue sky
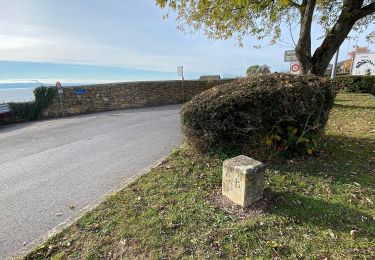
90 40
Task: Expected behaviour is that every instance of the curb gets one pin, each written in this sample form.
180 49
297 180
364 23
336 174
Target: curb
21 254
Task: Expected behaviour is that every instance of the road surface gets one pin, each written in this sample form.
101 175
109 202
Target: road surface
48 167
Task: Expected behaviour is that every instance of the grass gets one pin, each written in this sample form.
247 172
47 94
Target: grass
324 207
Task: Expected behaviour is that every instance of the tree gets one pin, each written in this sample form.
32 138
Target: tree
222 19
356 49
371 37
257 69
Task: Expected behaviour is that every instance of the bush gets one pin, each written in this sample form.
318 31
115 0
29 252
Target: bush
23 111
360 84
27 111
44 96
273 114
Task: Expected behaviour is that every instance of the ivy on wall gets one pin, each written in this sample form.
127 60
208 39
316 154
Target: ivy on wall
26 111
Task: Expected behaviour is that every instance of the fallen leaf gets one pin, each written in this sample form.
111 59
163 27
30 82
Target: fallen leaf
272 243
174 225
353 232
333 236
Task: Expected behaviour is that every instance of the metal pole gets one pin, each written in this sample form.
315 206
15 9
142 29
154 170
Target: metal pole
61 105
333 74
351 67
183 92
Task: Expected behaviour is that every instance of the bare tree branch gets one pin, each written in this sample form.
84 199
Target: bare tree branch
367 10
340 30
290 31
294 4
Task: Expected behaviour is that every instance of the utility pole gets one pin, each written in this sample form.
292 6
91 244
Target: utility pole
180 72
333 74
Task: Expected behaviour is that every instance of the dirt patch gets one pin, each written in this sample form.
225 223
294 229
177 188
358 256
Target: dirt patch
234 210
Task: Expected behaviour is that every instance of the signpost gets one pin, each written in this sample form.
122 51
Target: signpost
295 68
180 73
290 56
60 90
80 91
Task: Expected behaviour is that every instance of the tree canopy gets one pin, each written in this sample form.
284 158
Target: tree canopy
223 19
257 69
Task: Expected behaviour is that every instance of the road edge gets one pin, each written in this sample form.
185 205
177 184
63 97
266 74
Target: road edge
22 253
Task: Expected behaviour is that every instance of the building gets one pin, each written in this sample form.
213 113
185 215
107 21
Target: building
340 68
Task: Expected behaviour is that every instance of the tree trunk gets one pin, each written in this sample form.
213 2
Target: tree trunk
303 48
325 52
352 11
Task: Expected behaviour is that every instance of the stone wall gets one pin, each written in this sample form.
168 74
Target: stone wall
105 97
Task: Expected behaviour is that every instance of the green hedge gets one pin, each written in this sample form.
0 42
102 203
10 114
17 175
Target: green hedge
26 111
276 114
360 84
23 111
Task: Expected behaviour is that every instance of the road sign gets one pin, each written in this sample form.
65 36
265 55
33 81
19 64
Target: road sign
290 56
364 64
80 91
59 87
180 71
295 68
60 90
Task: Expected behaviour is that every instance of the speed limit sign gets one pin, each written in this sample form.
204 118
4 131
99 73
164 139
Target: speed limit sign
295 68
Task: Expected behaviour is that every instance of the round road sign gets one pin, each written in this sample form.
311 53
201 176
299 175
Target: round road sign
58 85
296 67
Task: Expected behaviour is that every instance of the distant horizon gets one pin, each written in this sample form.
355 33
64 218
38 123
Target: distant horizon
50 72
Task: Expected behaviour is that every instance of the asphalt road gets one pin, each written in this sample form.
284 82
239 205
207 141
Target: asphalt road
48 166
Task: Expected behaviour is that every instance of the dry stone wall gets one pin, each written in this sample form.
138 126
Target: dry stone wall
105 97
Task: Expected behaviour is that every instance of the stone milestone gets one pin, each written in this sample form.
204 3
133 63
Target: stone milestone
243 180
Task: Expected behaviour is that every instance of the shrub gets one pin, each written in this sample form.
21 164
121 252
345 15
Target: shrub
272 114
361 84
23 111
44 96
26 111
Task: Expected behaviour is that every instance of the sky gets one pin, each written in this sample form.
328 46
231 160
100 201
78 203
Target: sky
104 40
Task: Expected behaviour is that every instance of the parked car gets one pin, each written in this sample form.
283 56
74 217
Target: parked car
5 112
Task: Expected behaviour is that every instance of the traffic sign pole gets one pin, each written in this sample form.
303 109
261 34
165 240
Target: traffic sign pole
180 72
60 90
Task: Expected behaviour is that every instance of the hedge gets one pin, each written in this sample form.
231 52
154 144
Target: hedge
276 114
23 111
361 84
26 111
